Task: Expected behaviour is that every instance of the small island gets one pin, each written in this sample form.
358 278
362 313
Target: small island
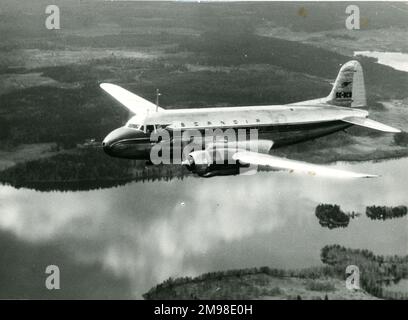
331 216
384 213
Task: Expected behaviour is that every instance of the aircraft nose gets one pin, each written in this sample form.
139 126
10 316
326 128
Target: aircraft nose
117 135
106 144
110 140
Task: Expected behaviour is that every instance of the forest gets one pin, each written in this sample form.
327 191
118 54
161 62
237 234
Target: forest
85 169
248 69
375 272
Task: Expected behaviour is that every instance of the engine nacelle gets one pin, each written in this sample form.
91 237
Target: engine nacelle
212 163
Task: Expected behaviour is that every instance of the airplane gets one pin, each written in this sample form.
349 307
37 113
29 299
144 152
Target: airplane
276 125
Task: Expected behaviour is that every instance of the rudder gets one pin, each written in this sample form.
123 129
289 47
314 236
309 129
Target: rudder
349 89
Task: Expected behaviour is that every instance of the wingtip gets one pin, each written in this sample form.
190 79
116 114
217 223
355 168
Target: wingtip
390 129
355 175
370 176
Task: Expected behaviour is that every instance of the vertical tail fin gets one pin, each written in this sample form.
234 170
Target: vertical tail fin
348 89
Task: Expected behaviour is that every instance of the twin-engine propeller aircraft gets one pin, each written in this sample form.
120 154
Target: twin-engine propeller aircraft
276 125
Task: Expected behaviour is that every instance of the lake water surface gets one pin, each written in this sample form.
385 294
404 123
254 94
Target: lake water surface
396 60
119 242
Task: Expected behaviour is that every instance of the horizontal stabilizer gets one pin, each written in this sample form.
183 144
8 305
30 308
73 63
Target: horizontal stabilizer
365 122
132 102
255 158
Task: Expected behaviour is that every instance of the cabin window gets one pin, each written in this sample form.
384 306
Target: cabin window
235 121
161 126
196 123
150 128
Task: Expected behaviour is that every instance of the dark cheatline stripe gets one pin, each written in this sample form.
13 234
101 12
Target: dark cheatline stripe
281 135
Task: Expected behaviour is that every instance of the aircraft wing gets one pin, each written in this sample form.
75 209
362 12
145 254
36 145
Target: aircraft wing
132 102
255 158
365 122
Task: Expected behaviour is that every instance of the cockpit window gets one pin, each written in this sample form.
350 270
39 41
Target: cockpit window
141 127
134 126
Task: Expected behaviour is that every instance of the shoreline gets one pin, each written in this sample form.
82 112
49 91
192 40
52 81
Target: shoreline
139 172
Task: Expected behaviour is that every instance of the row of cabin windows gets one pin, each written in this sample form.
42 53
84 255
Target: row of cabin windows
196 124
151 128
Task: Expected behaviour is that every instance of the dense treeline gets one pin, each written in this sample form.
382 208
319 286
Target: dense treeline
237 48
331 216
124 40
394 295
234 48
235 284
50 114
166 15
85 170
374 270
401 138
384 213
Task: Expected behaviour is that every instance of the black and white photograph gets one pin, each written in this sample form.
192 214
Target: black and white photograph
203 150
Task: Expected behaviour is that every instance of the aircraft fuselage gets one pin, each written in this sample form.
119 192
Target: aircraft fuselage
284 125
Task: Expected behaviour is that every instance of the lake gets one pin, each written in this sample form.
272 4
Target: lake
119 242
396 60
